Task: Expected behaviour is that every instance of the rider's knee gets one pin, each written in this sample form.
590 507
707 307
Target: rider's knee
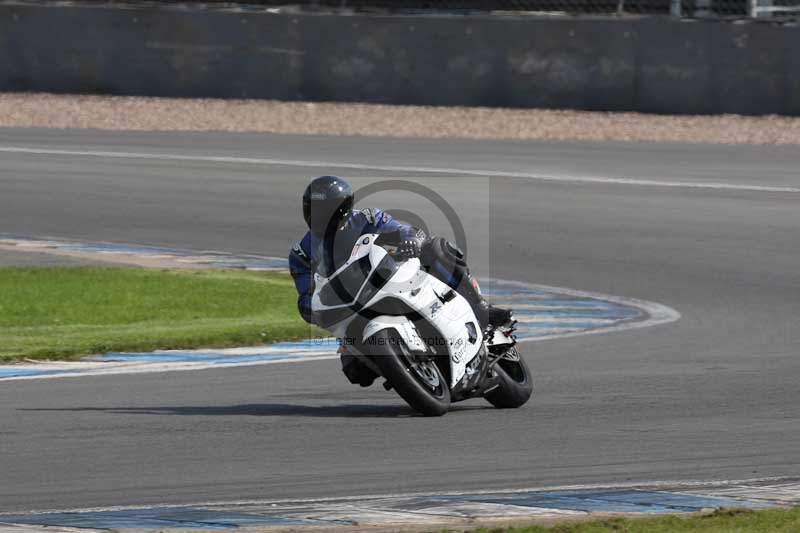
356 372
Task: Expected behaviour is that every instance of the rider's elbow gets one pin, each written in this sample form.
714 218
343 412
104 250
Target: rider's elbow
306 313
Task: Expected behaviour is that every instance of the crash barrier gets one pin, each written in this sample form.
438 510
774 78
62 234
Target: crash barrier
728 9
652 64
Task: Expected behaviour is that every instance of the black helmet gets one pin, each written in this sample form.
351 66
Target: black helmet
327 201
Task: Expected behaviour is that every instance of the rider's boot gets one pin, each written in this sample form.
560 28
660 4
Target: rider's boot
488 314
498 316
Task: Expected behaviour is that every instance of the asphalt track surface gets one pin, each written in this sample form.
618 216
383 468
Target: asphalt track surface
712 396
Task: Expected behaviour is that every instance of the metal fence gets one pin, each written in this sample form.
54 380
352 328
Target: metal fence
733 9
675 8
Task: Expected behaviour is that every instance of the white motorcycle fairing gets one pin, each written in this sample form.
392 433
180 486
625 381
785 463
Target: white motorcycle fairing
407 290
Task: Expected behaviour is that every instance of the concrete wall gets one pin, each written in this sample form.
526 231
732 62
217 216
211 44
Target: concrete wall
649 64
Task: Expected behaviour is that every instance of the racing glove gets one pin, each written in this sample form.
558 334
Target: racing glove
409 248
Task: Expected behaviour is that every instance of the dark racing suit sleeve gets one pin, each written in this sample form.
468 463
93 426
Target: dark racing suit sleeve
301 267
384 223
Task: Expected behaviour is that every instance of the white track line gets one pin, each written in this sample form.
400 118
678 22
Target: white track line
406 169
80 369
653 485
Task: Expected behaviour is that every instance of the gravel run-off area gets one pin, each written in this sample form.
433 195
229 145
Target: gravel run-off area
180 114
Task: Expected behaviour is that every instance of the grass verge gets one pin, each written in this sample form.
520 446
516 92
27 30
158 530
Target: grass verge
66 312
720 521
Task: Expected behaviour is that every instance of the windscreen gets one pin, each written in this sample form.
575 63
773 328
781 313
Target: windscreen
343 288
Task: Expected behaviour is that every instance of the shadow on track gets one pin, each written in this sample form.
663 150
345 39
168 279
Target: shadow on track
265 409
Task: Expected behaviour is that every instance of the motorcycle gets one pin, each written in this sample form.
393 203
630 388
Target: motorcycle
417 332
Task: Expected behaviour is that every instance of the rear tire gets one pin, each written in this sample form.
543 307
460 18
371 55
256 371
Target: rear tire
516 382
421 385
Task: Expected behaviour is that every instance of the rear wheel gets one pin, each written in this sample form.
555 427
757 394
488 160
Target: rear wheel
516 381
420 383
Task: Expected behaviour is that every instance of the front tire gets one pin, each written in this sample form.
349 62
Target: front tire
516 382
420 384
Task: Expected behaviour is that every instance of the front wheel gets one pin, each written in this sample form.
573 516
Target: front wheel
420 383
516 381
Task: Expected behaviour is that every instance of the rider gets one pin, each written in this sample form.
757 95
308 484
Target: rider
328 212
